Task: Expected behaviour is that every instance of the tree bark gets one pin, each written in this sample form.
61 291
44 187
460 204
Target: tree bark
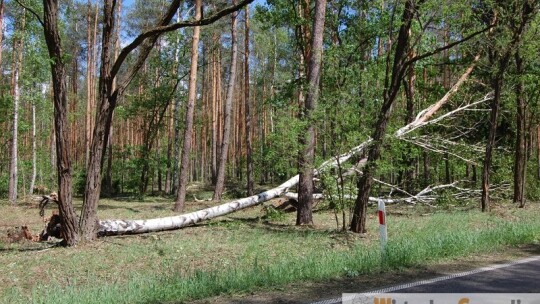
61 125
520 156
220 181
173 149
117 227
409 85
216 88
496 84
90 76
34 151
307 142
17 66
188 131
249 156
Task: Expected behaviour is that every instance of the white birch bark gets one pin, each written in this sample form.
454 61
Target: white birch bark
17 65
117 227
13 170
34 148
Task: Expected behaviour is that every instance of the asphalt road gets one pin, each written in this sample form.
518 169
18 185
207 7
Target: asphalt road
517 278
521 276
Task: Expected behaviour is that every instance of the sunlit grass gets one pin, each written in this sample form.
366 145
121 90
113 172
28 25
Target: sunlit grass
246 252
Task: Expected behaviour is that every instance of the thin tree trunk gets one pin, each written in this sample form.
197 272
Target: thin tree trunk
34 151
17 66
520 158
447 175
249 156
307 157
493 119
107 180
409 85
172 144
216 66
220 181
176 149
90 65
188 131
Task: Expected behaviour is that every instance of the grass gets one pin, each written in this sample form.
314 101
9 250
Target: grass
241 253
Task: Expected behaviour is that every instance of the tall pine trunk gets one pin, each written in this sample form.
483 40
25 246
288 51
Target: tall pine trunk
307 142
220 178
91 34
520 156
216 95
248 115
188 131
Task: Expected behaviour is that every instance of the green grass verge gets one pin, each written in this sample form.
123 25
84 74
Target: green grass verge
434 238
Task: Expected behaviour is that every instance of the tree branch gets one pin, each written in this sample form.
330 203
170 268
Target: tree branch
31 11
448 46
163 28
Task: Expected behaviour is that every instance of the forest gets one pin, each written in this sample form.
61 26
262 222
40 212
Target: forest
352 101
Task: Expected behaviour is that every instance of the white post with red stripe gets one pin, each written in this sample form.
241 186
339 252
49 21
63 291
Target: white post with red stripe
382 224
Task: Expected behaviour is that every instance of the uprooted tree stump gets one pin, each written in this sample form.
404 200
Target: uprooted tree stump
19 233
53 228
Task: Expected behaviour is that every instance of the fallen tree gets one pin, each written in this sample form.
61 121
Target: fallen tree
425 196
119 227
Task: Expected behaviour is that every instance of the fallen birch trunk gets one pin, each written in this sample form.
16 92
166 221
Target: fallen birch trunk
119 227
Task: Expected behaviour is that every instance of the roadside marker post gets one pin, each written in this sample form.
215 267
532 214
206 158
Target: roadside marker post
382 224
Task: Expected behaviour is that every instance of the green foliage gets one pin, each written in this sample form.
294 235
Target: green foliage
273 214
339 192
79 182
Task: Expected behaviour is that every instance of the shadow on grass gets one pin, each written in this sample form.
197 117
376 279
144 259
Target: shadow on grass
265 224
114 207
37 246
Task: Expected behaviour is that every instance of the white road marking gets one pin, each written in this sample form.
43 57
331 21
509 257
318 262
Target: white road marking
443 278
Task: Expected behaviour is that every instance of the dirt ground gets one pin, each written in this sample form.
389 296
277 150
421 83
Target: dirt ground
311 292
